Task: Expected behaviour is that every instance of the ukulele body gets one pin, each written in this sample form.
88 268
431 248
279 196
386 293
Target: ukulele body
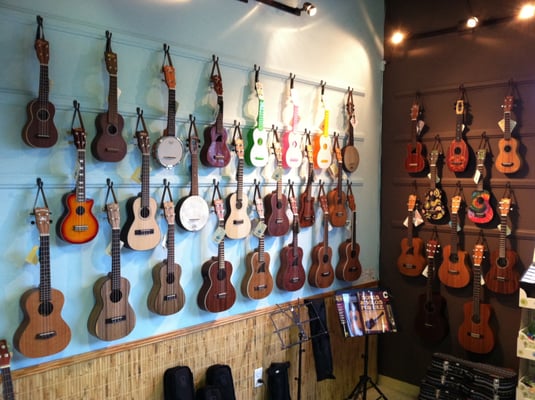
192 213
411 261
291 275
40 130
77 224
415 161
166 296
322 151
476 336
454 271
480 211
502 276
321 274
292 155
508 160
217 292
108 144
307 215
141 231
256 151
350 158
258 282
457 158
433 206
276 219
237 221
348 268
430 322
337 208
214 151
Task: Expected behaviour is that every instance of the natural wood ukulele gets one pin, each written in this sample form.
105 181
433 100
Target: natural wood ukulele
457 158
415 160
508 160
336 197
411 261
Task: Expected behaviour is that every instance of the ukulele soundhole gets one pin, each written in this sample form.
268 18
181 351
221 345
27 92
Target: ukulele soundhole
144 212
457 150
325 258
116 296
45 308
170 278
502 262
112 129
221 275
43 114
454 258
430 308
80 210
507 148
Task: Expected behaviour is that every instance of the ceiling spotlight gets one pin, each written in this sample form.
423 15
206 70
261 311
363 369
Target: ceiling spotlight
527 11
472 22
397 37
309 8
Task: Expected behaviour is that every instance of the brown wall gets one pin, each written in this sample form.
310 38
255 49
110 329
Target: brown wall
483 61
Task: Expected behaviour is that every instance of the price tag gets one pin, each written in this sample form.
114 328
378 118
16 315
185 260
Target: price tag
437 178
477 176
32 257
277 174
507 229
219 234
259 229
136 176
417 219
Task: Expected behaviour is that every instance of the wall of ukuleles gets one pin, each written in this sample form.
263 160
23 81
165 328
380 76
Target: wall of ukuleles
258 211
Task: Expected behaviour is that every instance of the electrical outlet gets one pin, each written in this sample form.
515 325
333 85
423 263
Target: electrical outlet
258 381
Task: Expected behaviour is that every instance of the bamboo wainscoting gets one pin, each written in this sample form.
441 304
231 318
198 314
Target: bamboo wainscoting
135 370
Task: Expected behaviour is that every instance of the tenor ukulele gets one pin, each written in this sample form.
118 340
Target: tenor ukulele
336 197
475 334
42 331
256 149
322 141
480 210
291 275
217 292
78 224
508 160
141 230
349 268
40 130
434 206
258 282
503 276
457 158
411 261
350 154
237 221
292 155
5 371
112 316
109 144
321 274
215 151
415 160
307 213
192 211
168 149
166 296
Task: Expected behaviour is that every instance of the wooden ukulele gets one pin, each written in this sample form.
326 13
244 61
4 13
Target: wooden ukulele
141 231
350 154
307 213
415 160
349 268
5 371
411 261
457 158
430 323
192 211
291 275
237 221
434 208
292 154
112 316
508 160
42 331
475 334
503 277
480 211
256 149
215 151
78 224
276 203
258 281
109 144
336 197
166 296
40 130
454 271
217 292
321 274
168 149
322 141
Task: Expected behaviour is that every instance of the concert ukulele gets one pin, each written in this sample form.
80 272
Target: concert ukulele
475 334
166 296
168 149
109 144
350 154
322 141
292 154
42 331
217 292
336 197
415 160
307 213
480 210
434 207
321 274
78 224
256 149
112 316
215 151
258 281
5 371
508 160
40 130
141 231
457 158
411 261
349 268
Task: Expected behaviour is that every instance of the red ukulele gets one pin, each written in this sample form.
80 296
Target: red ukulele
415 161
336 197
411 261
5 371
508 160
307 213
457 157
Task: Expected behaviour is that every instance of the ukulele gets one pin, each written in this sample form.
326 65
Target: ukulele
434 208
454 271
168 149
457 158
322 142
141 231
43 331
480 211
217 292
40 130
349 268
5 371
192 211
292 155
430 322
109 144
276 203
237 221
215 151
475 334
321 274
336 197
78 224
112 316
503 276
291 275
411 261
307 214
508 160
258 281
256 150
350 154
415 161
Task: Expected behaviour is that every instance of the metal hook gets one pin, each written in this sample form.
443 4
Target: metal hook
256 72
322 84
292 78
167 190
109 183
108 42
166 55
40 34
41 192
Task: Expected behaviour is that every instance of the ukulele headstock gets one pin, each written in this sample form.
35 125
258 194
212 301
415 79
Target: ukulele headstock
42 51
143 142
79 138
508 104
110 59
42 220
505 206
169 212
478 254
5 356
114 215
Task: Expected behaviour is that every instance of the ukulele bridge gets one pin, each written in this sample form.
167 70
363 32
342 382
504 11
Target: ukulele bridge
453 272
114 320
169 297
222 295
142 232
45 335
80 228
260 287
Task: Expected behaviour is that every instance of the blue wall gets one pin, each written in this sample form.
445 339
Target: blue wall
341 45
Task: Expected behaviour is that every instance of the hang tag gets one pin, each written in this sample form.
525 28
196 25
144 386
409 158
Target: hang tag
259 229
32 257
477 176
458 226
437 178
118 93
425 272
507 229
419 127
164 242
482 280
219 234
136 176
333 170
417 220
512 124
277 173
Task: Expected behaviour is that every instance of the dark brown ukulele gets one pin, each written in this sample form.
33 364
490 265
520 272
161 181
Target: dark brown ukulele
307 213
415 160
350 154
457 158
336 197
5 371
109 144
40 130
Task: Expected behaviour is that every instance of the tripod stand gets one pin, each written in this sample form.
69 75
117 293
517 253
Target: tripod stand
362 385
